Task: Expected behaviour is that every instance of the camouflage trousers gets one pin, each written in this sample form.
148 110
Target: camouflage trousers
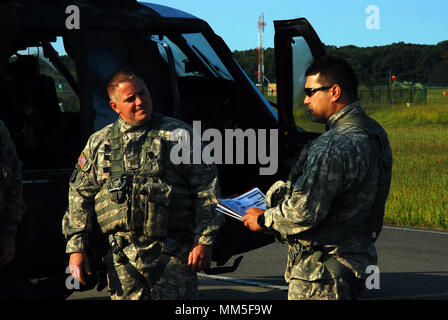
323 289
177 281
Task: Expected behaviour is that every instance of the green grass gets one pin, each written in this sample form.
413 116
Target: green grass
419 139
418 195
435 97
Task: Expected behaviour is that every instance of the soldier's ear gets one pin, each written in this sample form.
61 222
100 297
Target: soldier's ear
114 107
336 92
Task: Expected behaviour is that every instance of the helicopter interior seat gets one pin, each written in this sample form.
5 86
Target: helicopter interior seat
32 112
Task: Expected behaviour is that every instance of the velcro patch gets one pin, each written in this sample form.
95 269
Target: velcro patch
73 175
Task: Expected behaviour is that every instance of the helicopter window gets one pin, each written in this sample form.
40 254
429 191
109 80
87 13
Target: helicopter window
193 56
67 99
42 108
180 59
202 48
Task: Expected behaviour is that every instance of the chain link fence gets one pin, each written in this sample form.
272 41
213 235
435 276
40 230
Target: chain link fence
393 96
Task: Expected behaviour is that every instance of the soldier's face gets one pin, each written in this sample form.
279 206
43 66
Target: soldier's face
320 102
132 101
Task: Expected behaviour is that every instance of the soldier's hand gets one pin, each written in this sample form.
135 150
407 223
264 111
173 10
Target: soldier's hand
200 257
7 249
250 219
79 266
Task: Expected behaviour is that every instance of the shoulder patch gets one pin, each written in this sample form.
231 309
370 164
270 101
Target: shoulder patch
82 160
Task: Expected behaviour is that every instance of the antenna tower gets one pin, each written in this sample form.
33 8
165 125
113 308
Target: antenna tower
260 48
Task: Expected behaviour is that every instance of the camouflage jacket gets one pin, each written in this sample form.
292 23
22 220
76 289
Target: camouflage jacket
12 207
92 172
324 186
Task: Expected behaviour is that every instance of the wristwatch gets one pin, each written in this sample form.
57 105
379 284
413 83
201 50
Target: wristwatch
260 221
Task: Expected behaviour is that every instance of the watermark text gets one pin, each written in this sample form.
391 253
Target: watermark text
189 149
373 20
73 20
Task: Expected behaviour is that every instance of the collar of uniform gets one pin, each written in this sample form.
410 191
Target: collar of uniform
127 127
342 113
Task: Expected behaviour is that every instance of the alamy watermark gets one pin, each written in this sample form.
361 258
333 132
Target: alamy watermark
373 280
189 149
73 20
373 20
72 281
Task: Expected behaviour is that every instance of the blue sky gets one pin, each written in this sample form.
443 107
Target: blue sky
337 23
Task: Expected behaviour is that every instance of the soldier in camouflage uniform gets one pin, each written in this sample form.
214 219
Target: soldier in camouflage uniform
331 208
159 217
12 207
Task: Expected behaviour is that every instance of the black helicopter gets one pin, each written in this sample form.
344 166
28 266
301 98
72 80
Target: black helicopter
192 76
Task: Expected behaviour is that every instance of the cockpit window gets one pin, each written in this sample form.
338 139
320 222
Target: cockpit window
200 45
193 55
41 110
180 59
67 99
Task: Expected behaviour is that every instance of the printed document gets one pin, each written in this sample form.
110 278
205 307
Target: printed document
236 207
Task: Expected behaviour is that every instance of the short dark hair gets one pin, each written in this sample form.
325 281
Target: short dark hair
336 71
120 76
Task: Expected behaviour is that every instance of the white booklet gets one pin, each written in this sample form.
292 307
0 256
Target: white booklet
236 207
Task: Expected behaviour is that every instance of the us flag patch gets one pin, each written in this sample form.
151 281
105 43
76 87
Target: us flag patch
82 160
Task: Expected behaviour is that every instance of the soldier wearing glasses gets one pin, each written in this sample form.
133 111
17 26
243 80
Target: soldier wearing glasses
331 208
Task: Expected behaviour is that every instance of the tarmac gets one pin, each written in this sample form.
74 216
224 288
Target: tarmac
213 288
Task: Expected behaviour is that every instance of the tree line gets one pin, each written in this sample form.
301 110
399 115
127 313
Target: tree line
425 64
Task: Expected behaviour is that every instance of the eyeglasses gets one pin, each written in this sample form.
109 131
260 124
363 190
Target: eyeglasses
310 91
